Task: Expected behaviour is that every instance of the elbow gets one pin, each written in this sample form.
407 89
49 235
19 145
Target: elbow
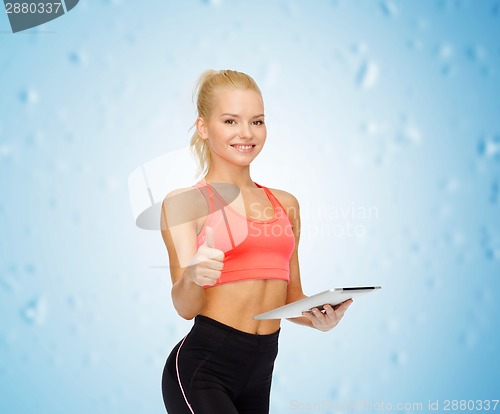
186 315
187 310
294 298
187 303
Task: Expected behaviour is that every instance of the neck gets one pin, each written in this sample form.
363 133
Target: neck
239 177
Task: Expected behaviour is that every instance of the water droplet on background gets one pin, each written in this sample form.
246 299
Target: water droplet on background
448 70
445 210
421 317
9 279
78 57
35 311
76 218
359 48
113 184
74 303
35 139
212 3
476 53
333 393
456 238
409 134
451 185
7 341
415 44
388 8
467 339
433 282
422 24
30 268
344 389
370 127
29 96
445 51
489 147
357 160
495 9
495 192
91 359
490 243
52 202
6 151
8 283
398 358
56 360
392 325
368 75
76 329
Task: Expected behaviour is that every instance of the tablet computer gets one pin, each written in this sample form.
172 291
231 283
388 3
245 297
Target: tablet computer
332 296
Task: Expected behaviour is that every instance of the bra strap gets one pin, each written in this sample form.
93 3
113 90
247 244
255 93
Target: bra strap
208 196
270 195
216 203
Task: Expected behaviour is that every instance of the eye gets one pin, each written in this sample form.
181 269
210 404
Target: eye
261 122
229 120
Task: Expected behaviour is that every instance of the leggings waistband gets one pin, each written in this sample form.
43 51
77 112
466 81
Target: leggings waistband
256 338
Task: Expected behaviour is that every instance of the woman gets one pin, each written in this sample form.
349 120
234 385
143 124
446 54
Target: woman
233 252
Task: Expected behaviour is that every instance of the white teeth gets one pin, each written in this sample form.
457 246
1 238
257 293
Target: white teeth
243 146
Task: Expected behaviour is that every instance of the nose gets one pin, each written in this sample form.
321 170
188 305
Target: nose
245 131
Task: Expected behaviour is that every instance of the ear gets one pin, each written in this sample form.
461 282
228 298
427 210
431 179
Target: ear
201 127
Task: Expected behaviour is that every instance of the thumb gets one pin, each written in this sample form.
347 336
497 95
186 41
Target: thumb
209 237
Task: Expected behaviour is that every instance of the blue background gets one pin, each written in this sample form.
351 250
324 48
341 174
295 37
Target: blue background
387 107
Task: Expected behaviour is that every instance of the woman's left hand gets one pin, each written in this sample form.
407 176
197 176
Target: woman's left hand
324 321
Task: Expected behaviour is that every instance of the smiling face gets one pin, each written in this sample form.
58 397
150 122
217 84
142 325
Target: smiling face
235 131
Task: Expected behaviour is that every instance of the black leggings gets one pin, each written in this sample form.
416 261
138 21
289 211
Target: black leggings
217 369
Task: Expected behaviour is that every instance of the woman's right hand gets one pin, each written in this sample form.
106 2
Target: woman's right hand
207 263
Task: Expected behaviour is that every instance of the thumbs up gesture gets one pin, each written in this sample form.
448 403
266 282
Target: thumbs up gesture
208 262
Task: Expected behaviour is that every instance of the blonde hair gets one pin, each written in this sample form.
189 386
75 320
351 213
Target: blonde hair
206 87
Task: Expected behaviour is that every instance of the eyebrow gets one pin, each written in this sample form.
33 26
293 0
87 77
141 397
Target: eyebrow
237 116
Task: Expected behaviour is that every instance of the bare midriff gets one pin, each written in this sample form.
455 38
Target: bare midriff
236 303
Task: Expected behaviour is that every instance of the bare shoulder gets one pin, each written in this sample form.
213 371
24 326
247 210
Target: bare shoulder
182 205
288 201
184 197
284 197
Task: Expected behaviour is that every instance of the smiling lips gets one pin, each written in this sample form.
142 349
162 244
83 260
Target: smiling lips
243 148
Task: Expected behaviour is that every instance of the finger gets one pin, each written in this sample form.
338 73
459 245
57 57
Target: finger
318 314
343 307
349 301
209 237
212 274
215 254
206 281
215 264
336 307
330 312
308 315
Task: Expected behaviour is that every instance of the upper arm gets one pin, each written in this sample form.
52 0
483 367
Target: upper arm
292 208
179 213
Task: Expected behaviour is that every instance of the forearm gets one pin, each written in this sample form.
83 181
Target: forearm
301 320
188 297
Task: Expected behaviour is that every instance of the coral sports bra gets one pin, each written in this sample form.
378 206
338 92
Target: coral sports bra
252 249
